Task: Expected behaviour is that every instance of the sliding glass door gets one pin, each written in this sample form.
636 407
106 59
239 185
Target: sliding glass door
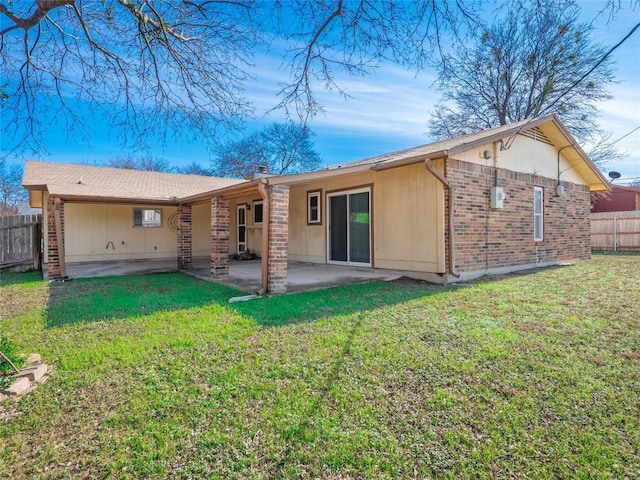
349 227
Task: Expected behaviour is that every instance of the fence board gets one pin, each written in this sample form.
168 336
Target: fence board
20 241
615 231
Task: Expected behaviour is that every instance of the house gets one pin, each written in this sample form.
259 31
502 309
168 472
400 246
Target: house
503 199
621 198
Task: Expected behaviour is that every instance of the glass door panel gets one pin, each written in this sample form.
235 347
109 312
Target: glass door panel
338 228
359 228
349 236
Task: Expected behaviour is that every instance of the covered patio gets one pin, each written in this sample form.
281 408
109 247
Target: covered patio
244 275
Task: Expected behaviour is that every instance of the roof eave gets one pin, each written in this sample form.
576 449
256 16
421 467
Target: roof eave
593 187
235 189
120 200
411 160
299 178
535 122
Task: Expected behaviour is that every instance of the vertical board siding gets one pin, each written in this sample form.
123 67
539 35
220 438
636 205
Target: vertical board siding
20 241
615 231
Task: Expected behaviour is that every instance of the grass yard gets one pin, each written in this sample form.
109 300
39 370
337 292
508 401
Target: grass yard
530 376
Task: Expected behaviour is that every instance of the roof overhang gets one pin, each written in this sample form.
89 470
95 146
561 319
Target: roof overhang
232 191
575 155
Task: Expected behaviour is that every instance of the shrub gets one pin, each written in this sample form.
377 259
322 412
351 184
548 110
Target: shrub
8 348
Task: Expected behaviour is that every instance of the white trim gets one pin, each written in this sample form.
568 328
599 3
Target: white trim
253 211
317 194
238 225
328 217
538 236
148 220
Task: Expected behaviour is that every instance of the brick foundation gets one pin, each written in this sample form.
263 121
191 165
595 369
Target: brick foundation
278 252
184 237
220 215
55 268
487 238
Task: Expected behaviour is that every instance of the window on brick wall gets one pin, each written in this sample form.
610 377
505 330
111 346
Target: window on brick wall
147 217
538 218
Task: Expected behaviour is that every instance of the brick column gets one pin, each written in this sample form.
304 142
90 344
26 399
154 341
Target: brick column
278 251
55 265
184 237
219 237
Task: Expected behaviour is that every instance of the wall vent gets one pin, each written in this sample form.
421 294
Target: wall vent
536 134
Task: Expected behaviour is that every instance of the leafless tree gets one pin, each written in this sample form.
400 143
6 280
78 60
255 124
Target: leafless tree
524 65
143 162
194 168
178 67
280 148
11 189
174 67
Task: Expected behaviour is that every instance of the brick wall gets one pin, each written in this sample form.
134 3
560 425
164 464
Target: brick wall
184 237
54 269
220 215
278 238
487 238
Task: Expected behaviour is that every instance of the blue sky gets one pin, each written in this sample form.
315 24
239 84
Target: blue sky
387 110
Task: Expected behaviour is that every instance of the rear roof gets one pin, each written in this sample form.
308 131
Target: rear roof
84 181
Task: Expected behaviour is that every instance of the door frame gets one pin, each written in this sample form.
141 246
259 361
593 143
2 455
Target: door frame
238 225
336 193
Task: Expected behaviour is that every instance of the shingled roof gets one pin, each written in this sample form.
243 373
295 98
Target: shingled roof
72 181
451 146
553 129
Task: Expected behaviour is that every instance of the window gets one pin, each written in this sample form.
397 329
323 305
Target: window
538 218
257 212
145 217
314 203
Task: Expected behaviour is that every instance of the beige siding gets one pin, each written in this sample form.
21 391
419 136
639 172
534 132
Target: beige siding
407 215
525 155
254 232
35 198
97 232
201 229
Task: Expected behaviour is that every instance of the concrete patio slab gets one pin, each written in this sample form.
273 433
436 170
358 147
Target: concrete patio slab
246 275
243 275
120 267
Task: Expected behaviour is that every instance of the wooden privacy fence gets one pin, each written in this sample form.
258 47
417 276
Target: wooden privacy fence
20 242
615 231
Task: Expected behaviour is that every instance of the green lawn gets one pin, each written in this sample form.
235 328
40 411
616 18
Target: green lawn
529 376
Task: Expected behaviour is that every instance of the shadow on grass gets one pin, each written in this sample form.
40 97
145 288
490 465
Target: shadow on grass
110 298
17 278
343 300
616 252
95 299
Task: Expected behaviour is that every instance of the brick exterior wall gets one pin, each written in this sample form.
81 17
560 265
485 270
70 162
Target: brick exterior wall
53 266
184 237
220 220
487 238
278 250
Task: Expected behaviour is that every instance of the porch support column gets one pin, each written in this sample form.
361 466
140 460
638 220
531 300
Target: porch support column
56 267
278 239
219 237
184 237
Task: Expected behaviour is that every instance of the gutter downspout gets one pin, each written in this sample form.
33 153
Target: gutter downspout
559 172
442 179
59 237
262 189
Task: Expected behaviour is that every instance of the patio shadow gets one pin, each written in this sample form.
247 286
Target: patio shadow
343 300
109 298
